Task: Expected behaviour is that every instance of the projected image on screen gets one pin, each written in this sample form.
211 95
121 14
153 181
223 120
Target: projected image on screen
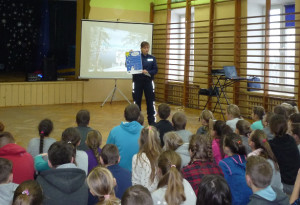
108 48
104 45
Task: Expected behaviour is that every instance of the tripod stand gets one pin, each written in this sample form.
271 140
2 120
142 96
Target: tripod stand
112 94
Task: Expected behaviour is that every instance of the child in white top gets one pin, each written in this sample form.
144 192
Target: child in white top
144 163
233 116
172 188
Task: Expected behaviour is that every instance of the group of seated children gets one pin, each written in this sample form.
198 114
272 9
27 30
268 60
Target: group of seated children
230 162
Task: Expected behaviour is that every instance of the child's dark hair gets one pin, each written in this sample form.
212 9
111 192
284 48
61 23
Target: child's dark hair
164 111
71 135
110 154
83 118
93 141
137 195
132 112
221 130
45 128
28 193
6 138
141 119
179 121
259 170
278 125
280 110
259 138
234 142
169 163
296 129
61 153
269 115
5 170
259 111
295 118
243 127
200 147
213 190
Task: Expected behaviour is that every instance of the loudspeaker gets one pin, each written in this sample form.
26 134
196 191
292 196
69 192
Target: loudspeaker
49 69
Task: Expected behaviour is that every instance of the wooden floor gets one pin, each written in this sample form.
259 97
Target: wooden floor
22 122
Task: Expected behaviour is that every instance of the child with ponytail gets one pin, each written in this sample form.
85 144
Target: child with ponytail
243 129
201 163
205 116
28 193
144 163
41 145
101 184
93 141
172 188
219 130
261 147
234 168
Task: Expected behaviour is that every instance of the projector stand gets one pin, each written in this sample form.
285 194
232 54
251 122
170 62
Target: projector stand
112 95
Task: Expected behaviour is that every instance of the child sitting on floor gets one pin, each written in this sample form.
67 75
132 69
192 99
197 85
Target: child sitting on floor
258 177
164 125
261 147
144 163
93 141
258 113
213 190
202 162
175 143
220 129
110 159
286 152
243 129
101 184
233 168
172 188
28 193
7 187
205 116
137 195
179 122
233 116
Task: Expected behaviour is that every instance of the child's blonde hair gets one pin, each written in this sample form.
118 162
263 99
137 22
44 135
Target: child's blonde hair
233 110
93 141
101 184
169 163
172 141
206 115
150 145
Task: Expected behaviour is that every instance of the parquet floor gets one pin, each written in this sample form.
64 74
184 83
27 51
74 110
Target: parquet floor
22 122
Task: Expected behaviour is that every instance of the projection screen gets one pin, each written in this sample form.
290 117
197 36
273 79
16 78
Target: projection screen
103 47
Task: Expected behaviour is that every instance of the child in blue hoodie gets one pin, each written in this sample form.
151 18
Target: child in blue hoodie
258 176
234 167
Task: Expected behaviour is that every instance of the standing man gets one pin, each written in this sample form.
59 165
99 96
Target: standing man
144 82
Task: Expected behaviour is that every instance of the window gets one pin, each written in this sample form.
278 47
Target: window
177 47
281 51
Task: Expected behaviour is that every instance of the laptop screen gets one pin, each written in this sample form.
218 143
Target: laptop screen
230 71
